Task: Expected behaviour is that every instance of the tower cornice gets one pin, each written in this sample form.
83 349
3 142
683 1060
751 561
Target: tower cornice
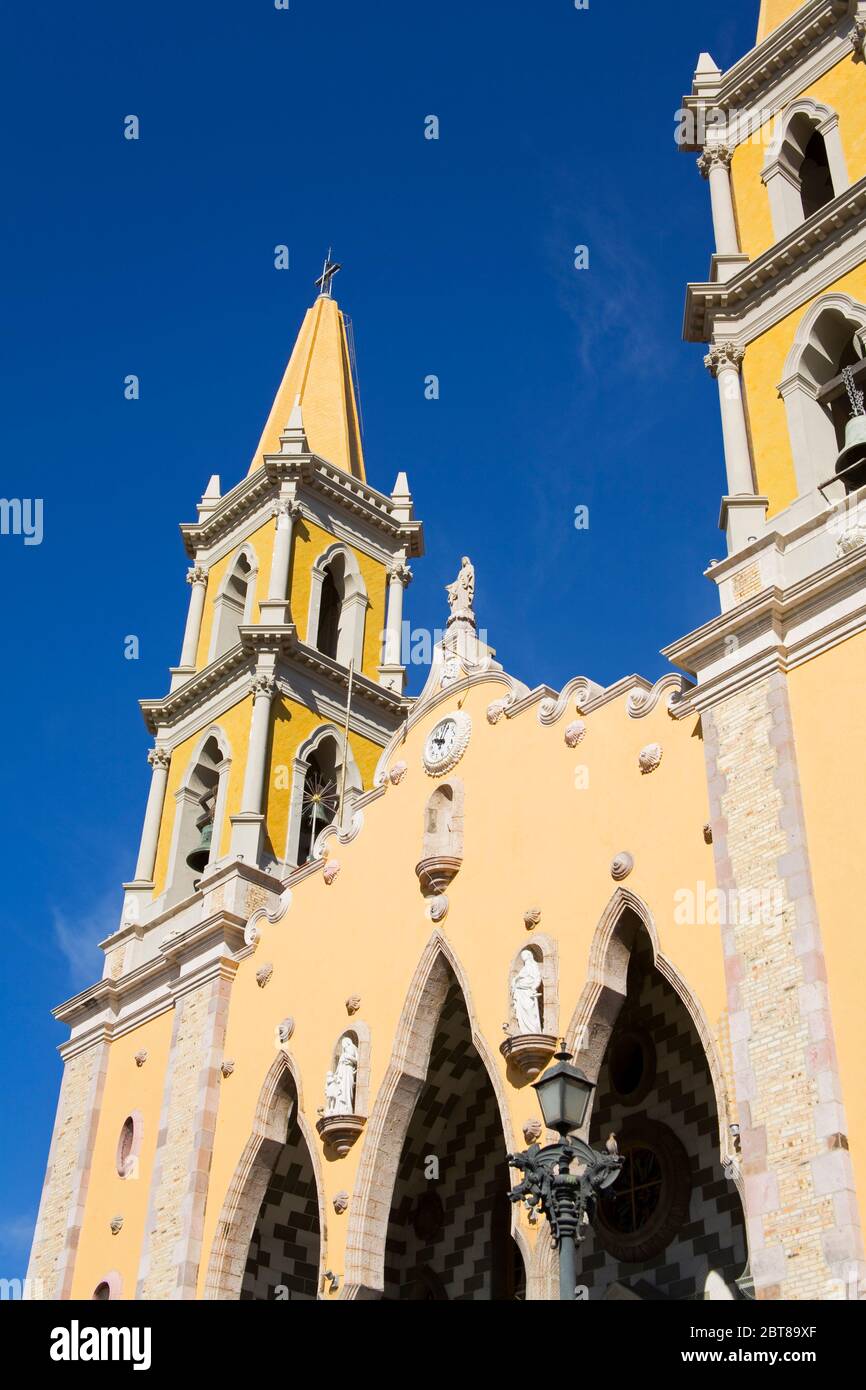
320 477
788 261
797 50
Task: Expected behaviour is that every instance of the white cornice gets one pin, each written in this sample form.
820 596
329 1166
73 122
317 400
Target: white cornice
781 67
804 263
374 508
219 686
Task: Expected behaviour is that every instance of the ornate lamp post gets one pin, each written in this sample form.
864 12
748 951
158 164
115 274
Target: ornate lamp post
567 1199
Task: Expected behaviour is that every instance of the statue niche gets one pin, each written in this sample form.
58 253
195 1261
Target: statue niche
442 850
339 1124
528 1047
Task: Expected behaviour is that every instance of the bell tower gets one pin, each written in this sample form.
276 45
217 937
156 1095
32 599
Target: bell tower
781 140
290 679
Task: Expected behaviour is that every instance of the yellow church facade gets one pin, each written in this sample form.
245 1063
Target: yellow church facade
352 942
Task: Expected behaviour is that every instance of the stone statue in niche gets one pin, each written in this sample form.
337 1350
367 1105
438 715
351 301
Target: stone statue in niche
340 1083
526 994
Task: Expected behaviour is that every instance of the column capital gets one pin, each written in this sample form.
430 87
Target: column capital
858 40
723 355
399 570
714 154
287 507
197 574
159 758
262 687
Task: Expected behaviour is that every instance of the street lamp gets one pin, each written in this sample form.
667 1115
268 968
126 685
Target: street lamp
567 1199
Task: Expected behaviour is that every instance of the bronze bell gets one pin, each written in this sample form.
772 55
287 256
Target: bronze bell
197 858
851 463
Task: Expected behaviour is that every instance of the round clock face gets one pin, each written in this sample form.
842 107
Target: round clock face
446 743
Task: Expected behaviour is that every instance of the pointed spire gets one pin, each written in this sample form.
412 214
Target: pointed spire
708 76
401 500
210 498
316 397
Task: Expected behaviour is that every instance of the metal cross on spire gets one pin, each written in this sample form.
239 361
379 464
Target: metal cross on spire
329 271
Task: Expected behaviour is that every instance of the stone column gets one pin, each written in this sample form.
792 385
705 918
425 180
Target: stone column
743 511
247 827
715 165
391 673
197 578
723 361
275 608
159 759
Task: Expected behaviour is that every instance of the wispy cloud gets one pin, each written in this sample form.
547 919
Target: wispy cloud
16 1234
78 935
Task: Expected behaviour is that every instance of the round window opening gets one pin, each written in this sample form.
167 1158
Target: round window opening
639 1215
632 1065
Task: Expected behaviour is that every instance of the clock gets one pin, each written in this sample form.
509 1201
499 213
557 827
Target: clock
446 743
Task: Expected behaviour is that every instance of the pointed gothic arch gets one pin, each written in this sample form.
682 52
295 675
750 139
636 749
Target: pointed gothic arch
437 973
337 613
233 601
279 1105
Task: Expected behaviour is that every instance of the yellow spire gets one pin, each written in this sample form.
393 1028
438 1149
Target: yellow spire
319 379
773 13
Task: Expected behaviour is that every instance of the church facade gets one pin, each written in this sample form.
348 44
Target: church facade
351 943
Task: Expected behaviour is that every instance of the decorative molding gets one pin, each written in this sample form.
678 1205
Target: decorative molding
263 974
262 687
197 574
353 1004
650 757
580 689
339 1132
116 1224
575 733
640 702
621 866
341 1202
708 833
437 767
531 918
437 908
286 1029
714 154
724 355
140 1058
330 871
529 1052
159 757
496 710
532 1131
397 773
227 1067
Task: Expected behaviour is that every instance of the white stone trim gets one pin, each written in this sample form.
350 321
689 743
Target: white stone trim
812 433
247 551
781 174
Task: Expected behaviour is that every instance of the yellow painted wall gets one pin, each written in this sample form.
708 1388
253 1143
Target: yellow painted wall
763 370
128 1087
531 839
773 13
262 542
827 706
310 541
844 90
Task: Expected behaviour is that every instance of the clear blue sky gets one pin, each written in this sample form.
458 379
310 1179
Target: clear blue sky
558 388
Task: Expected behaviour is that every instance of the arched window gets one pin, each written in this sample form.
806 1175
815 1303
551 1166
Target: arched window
199 816
338 607
805 167
233 604
331 607
317 778
831 337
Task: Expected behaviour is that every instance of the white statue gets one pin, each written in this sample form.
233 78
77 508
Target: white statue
340 1083
462 592
526 995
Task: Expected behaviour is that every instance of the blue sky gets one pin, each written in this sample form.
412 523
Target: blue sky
559 388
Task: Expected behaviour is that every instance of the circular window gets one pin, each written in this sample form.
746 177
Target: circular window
632 1065
127 1147
639 1215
